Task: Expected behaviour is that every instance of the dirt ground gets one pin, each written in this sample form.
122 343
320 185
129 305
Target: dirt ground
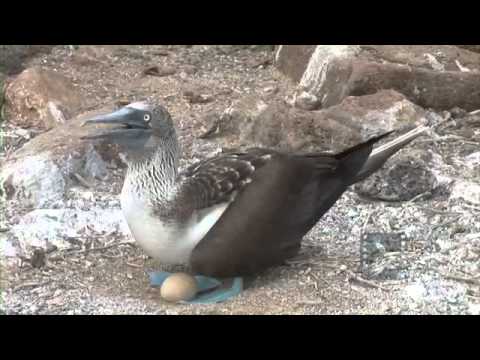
437 272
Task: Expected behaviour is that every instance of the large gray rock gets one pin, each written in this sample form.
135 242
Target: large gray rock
251 122
41 99
403 177
43 228
466 191
12 57
474 48
39 173
435 76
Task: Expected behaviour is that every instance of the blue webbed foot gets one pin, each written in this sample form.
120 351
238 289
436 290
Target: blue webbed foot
209 289
219 294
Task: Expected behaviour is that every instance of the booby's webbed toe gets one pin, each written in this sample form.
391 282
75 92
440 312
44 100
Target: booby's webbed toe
158 277
219 294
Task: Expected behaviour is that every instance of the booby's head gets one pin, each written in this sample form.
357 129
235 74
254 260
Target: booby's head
137 128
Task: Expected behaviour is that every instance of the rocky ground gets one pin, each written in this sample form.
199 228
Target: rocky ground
406 241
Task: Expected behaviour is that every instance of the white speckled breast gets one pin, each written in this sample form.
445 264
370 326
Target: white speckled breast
166 242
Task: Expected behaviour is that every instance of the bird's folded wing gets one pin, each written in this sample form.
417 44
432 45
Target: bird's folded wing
219 179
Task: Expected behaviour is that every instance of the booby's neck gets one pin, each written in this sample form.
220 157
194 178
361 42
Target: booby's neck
153 173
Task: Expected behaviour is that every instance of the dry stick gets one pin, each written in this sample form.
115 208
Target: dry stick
364 281
100 248
310 302
364 227
133 265
31 284
81 180
472 281
440 225
439 212
362 235
415 198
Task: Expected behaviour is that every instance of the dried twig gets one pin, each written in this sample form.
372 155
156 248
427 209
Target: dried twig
81 180
415 198
472 280
133 265
440 212
100 248
31 285
435 227
364 227
310 302
471 207
361 280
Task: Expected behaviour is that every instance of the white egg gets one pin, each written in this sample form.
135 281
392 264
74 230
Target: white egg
179 287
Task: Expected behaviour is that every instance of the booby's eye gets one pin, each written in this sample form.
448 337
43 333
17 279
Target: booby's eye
146 117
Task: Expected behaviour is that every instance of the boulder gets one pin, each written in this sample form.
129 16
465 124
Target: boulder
62 228
41 99
466 191
252 122
13 57
39 173
474 48
433 76
403 177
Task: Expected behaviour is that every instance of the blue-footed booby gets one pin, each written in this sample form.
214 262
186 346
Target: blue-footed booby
232 215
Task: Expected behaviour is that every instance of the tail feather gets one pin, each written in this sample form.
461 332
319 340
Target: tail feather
352 160
380 155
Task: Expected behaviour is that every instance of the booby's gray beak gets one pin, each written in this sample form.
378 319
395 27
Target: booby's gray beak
127 123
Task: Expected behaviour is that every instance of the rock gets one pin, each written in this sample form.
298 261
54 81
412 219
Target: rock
230 49
467 191
270 90
195 97
38 258
36 181
292 60
189 69
95 166
472 161
91 55
251 122
474 48
377 244
13 57
307 101
3 77
260 63
474 309
44 228
40 98
160 70
403 177
39 173
234 125
416 291
435 76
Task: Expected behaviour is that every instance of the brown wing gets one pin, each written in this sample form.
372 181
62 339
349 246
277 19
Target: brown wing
218 180
268 219
265 224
